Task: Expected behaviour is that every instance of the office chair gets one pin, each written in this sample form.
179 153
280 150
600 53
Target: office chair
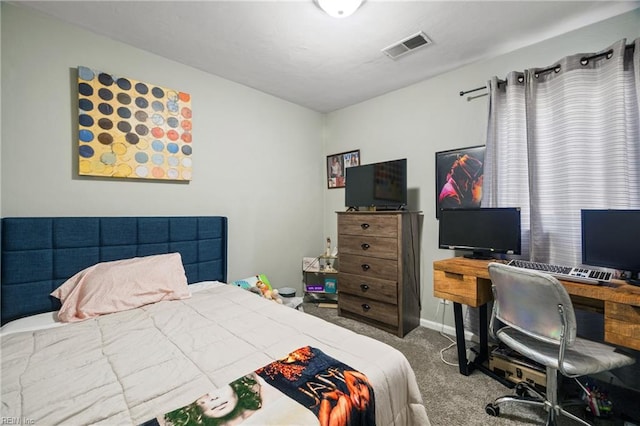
538 321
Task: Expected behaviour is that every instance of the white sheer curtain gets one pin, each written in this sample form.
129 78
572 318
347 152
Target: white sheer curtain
564 138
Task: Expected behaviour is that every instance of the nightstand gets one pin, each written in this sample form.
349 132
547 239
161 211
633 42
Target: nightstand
320 279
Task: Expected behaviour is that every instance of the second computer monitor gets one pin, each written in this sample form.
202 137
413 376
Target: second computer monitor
611 239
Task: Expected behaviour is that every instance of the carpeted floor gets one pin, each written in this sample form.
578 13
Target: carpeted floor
449 397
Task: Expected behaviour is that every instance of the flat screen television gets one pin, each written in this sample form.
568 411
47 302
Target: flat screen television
611 239
483 232
382 185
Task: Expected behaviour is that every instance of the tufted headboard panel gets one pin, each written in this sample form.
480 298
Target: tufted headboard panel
39 254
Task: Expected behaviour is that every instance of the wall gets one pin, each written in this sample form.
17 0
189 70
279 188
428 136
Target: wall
257 159
420 120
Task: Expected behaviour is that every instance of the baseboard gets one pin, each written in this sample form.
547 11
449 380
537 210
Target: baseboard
448 330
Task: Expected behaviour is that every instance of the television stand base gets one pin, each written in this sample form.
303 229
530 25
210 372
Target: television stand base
389 208
377 208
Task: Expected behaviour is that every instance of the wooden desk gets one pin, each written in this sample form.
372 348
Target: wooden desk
466 282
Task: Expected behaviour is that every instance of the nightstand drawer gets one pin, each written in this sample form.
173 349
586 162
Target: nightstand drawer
368 224
371 309
384 247
385 269
371 288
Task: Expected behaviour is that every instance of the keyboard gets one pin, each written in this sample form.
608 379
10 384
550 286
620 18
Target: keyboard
581 275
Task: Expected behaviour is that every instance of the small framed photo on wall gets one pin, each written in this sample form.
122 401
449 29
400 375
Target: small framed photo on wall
337 165
459 175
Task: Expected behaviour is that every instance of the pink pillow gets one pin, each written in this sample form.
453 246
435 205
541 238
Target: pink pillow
120 285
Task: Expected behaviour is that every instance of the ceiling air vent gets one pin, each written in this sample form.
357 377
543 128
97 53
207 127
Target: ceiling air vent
407 45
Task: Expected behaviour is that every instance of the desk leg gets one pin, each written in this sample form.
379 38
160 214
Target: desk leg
483 334
463 364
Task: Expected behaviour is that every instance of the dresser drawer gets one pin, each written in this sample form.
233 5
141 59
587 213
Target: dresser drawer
371 309
368 224
371 288
374 246
385 269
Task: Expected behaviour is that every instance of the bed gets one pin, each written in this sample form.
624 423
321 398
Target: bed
134 365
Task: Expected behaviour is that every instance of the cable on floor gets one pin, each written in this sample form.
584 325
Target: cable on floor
453 342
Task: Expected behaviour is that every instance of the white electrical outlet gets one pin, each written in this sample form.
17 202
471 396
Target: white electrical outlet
444 301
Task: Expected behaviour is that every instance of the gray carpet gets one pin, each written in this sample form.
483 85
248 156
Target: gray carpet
449 397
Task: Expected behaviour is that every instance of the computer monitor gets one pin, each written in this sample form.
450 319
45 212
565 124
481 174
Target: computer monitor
483 232
611 239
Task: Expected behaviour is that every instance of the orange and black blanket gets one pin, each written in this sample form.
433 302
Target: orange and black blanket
336 393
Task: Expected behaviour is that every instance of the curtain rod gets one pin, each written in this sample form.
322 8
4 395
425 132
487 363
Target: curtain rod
472 90
584 60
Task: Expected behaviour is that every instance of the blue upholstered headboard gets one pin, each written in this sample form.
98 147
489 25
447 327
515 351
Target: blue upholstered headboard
39 254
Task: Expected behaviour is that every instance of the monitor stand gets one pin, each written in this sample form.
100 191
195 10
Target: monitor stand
480 255
632 278
633 281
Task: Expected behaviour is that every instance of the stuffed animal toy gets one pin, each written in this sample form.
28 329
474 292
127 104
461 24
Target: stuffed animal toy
260 285
268 292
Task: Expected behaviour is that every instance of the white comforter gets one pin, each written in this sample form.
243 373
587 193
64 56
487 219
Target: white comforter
132 366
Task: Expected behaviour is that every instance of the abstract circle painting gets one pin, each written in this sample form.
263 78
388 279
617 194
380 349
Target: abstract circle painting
132 129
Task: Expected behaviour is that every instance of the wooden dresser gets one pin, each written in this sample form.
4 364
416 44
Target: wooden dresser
379 279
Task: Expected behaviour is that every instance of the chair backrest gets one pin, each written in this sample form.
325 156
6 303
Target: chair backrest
528 301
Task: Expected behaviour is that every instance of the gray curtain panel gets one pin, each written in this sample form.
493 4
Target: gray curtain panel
562 138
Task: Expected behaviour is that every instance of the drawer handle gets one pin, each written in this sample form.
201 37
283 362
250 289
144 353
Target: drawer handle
365 246
365 307
365 226
364 287
365 267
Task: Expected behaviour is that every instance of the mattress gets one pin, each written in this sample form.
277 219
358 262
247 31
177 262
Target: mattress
129 367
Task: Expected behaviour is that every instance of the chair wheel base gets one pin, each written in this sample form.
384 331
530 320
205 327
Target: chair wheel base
492 410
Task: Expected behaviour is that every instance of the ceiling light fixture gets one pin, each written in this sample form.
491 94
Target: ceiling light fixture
339 8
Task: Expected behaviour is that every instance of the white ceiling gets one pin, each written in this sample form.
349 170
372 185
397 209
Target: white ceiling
292 50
